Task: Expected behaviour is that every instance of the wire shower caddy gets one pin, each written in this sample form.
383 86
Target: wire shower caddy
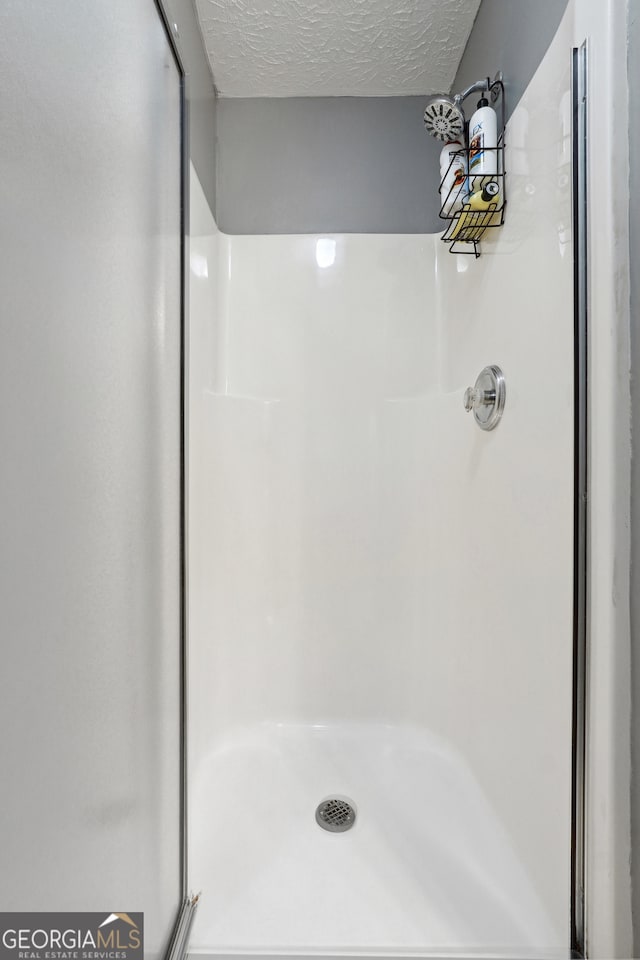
466 226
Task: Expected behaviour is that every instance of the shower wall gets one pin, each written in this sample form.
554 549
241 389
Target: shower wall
312 362
363 557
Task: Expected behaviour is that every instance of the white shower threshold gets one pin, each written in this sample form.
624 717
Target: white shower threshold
426 871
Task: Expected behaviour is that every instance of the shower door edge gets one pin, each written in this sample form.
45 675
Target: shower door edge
579 135
179 938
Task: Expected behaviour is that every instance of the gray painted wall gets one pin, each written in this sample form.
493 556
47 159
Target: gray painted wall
326 164
512 36
200 92
634 225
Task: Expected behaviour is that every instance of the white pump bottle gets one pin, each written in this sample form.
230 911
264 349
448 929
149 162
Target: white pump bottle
483 142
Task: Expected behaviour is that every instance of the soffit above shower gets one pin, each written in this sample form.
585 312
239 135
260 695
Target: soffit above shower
342 48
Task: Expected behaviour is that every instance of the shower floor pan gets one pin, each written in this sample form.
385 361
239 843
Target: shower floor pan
425 870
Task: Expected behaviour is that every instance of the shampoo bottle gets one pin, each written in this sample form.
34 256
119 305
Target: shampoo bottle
483 142
453 170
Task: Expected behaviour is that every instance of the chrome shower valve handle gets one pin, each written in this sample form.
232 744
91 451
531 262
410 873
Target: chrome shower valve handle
474 398
487 397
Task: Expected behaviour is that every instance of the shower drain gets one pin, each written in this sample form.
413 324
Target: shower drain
335 815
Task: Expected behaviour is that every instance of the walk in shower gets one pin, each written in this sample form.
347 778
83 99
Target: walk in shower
314 530
382 594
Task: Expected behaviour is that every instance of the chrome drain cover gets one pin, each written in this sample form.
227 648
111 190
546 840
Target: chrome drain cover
335 815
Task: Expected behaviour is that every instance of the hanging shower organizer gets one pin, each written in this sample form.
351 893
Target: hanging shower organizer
466 225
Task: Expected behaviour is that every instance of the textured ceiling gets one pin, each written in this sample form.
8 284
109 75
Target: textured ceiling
358 48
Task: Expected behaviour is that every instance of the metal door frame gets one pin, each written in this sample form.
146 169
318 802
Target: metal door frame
579 136
180 934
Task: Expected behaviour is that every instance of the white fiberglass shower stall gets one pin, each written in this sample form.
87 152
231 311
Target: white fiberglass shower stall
262 574
381 594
